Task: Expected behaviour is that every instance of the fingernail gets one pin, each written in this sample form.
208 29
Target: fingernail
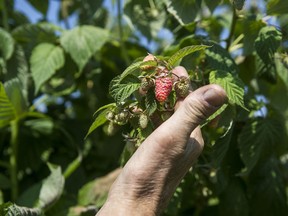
214 97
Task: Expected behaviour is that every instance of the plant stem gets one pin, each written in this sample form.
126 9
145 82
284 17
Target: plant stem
13 159
232 29
4 14
121 36
72 167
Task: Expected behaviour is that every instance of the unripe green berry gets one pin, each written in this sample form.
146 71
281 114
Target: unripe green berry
111 129
110 115
143 120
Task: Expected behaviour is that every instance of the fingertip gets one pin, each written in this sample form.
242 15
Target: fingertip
180 71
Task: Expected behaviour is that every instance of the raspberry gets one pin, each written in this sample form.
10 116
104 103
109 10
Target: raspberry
111 129
163 87
146 84
152 63
143 120
182 86
122 117
110 115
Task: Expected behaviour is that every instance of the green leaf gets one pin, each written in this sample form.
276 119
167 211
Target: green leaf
7 111
277 7
220 148
238 4
6 44
108 106
146 16
212 4
43 126
83 42
40 6
267 43
184 11
13 88
233 86
100 120
214 115
122 90
45 193
174 60
46 59
30 35
219 59
17 67
251 28
239 205
133 67
268 180
150 102
9 209
258 136
96 192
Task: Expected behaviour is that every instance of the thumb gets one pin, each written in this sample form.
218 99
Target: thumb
196 107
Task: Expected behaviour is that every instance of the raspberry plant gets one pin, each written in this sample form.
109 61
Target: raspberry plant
54 77
149 89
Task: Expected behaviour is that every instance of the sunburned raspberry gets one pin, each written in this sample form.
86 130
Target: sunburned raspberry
182 86
163 87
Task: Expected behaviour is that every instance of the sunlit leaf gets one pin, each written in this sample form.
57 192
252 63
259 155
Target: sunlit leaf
100 120
7 111
122 90
277 7
46 59
129 70
219 59
10 209
82 42
146 16
233 86
173 60
45 193
267 43
30 35
96 191
6 44
184 11
14 92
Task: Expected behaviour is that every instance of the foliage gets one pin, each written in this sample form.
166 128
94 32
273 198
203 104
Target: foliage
54 78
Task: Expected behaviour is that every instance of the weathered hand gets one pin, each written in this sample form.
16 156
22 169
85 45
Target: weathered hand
151 176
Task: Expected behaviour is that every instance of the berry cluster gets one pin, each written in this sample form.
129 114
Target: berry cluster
163 80
157 82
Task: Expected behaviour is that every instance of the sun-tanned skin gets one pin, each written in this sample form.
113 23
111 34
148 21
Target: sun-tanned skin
150 177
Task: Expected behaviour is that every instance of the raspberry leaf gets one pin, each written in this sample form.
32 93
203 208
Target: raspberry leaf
100 120
174 59
45 60
122 89
233 86
133 67
258 137
220 59
107 106
7 110
150 102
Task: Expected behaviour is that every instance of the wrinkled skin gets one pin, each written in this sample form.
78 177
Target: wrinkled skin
151 176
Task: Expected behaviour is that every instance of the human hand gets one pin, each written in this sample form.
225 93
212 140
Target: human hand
150 177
